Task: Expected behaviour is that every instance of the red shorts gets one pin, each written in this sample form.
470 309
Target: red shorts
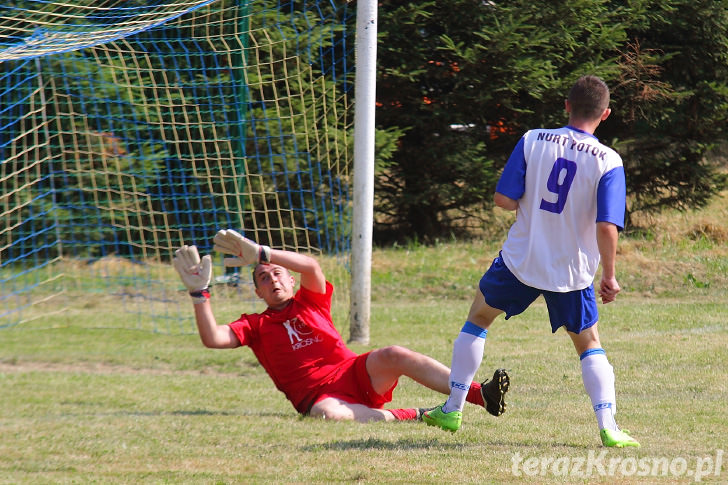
352 384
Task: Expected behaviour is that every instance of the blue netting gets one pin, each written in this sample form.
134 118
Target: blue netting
127 130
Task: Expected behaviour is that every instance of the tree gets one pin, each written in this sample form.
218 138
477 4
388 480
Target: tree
673 91
463 79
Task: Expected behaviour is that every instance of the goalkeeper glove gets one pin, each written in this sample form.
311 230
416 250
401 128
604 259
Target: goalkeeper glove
243 249
196 273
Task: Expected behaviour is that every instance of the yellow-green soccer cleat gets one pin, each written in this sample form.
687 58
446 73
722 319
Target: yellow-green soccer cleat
617 438
447 421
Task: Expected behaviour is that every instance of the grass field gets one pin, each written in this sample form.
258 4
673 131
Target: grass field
83 404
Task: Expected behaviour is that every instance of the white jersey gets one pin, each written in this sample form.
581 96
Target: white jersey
565 181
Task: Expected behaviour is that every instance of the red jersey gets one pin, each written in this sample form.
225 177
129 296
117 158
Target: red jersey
298 346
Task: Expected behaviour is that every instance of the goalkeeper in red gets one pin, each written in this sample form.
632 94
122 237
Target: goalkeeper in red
568 190
297 344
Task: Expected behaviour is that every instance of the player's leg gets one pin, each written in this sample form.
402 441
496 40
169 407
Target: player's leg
586 339
499 291
386 365
577 311
466 358
598 378
339 410
468 351
352 395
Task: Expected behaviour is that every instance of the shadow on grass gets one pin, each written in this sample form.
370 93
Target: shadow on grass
182 412
424 444
205 412
376 443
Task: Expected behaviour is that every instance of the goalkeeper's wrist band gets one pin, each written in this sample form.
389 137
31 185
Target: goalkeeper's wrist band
264 254
200 296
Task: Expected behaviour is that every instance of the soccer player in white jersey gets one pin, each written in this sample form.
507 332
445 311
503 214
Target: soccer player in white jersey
568 191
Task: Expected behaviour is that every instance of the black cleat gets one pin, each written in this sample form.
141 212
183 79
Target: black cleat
421 411
494 392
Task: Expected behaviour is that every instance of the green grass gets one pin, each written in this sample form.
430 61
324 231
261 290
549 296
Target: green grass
87 405
84 404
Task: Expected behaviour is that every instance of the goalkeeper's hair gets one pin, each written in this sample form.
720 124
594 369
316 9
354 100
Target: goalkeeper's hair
589 97
252 273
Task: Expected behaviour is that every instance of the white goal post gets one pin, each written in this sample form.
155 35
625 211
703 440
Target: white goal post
363 216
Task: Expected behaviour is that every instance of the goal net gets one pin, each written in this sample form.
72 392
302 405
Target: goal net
129 128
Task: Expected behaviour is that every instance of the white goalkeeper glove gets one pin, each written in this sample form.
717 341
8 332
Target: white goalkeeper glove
243 249
196 273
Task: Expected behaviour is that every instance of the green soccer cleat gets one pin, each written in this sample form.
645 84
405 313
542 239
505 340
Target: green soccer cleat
494 392
617 438
447 421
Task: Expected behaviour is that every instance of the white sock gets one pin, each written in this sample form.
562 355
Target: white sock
467 354
598 376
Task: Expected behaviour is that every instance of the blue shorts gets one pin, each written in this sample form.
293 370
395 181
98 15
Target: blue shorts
575 310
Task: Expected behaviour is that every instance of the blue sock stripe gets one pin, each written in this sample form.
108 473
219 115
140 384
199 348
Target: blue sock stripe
473 329
602 405
458 385
589 352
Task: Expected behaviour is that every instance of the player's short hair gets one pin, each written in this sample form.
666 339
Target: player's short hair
252 273
589 97
255 267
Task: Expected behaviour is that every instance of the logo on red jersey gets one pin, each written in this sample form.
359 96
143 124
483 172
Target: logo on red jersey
296 329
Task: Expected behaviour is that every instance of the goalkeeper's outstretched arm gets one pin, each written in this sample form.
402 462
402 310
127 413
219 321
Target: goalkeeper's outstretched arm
312 276
196 274
243 251
212 335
